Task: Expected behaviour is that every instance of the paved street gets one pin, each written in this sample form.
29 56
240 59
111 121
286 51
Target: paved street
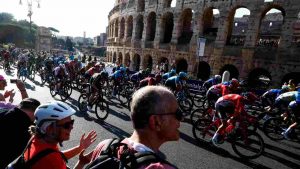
186 153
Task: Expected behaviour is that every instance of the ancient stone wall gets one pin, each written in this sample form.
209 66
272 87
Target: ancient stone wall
144 33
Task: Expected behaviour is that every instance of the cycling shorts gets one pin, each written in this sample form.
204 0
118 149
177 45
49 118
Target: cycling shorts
224 107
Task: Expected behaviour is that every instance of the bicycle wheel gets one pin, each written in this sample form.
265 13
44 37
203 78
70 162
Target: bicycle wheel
102 109
64 92
51 88
186 106
203 129
199 101
197 114
250 147
83 102
273 128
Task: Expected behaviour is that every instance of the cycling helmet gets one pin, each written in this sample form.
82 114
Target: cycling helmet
50 112
285 88
123 69
182 75
218 77
235 83
250 97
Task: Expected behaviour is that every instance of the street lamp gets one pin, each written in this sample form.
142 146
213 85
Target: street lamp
30 11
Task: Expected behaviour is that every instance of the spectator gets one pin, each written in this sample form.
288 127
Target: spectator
11 93
53 125
155 117
14 126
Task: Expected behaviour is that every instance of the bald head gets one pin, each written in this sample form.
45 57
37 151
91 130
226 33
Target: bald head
150 100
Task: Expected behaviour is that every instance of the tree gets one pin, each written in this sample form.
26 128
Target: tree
6 18
69 44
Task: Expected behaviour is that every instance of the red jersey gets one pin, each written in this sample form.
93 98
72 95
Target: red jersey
224 89
51 161
238 101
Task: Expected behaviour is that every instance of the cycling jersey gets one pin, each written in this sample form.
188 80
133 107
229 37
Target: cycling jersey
216 91
167 75
174 82
210 82
136 77
95 81
294 107
149 81
237 100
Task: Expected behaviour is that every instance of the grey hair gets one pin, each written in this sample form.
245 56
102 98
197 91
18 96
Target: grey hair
146 101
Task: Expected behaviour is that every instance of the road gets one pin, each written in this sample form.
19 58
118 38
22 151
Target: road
187 153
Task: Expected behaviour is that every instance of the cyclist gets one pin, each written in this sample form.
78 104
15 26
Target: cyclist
169 74
294 109
150 81
176 83
95 69
268 98
60 73
22 60
137 77
117 77
96 82
231 107
216 91
283 100
212 81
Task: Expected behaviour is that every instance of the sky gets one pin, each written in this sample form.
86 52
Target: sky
70 17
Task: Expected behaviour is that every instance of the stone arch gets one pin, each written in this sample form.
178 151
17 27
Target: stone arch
129 26
139 27
270 26
141 6
258 76
292 75
210 23
136 62
127 60
116 27
114 57
185 26
148 62
203 70
120 58
181 65
122 28
151 27
167 26
237 26
234 72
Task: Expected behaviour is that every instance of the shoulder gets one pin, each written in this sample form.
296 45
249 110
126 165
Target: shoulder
158 165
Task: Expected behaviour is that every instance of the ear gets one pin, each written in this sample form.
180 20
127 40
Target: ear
154 123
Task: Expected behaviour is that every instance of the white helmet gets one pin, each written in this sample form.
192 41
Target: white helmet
218 77
50 112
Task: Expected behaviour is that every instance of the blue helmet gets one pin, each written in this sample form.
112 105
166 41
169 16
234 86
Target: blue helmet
182 75
123 69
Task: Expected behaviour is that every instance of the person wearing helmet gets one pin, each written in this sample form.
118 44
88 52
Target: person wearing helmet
268 98
150 81
53 126
294 109
232 107
212 81
137 77
176 83
283 100
95 69
117 77
234 85
169 74
60 74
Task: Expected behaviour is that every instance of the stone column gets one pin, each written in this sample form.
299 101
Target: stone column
157 31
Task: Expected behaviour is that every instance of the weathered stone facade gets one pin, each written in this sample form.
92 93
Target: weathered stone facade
143 33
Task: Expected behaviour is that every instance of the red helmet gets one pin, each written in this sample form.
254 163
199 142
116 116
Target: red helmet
235 83
250 97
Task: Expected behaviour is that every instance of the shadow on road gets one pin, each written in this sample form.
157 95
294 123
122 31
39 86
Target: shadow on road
113 129
220 151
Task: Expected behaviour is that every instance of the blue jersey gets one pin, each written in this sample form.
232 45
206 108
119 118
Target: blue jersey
118 74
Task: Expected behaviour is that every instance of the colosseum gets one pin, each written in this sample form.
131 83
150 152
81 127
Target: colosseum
259 44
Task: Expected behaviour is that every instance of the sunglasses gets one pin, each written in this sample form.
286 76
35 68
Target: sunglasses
178 114
67 125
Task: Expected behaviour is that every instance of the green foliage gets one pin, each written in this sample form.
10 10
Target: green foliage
6 17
